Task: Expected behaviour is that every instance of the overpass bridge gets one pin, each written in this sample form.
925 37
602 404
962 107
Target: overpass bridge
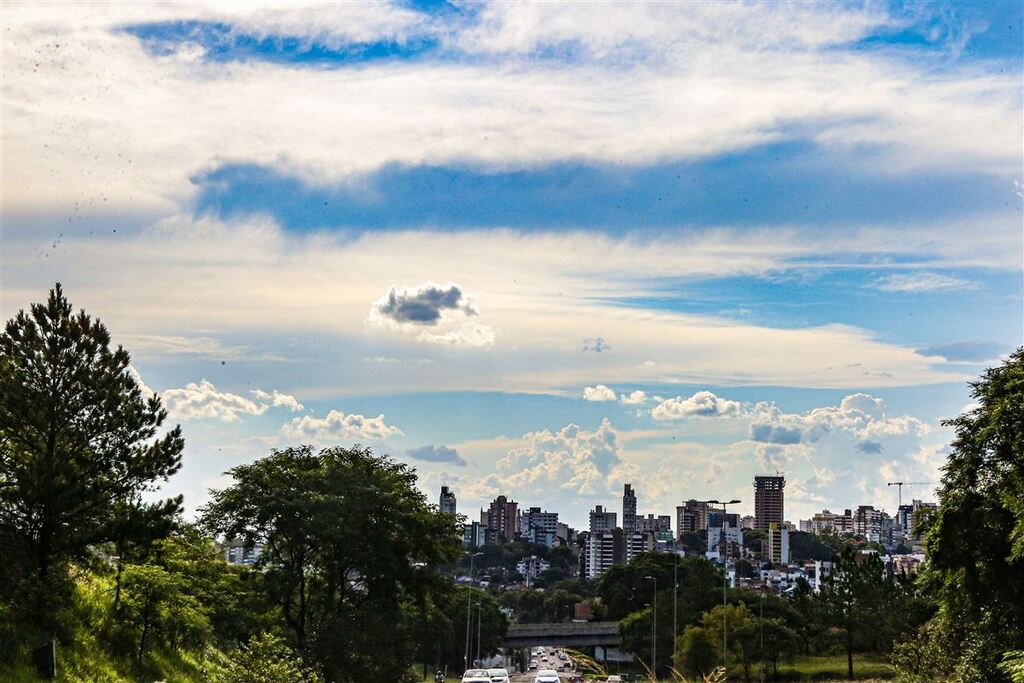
570 634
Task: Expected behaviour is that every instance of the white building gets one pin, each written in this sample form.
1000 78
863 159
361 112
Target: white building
733 541
531 567
778 544
606 548
541 527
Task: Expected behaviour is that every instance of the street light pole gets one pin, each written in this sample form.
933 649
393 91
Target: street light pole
723 548
469 609
479 620
675 598
654 627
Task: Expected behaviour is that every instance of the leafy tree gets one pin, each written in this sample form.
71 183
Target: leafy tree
78 440
350 551
695 652
735 625
266 659
975 541
855 595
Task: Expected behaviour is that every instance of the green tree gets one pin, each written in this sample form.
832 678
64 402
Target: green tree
266 659
735 625
695 652
975 541
350 550
855 595
77 441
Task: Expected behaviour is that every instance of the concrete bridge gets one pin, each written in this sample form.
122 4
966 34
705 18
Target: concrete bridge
571 634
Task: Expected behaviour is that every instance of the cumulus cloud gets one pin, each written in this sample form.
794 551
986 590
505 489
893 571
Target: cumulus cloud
572 460
473 335
634 398
203 400
701 404
278 399
433 453
922 282
598 393
422 305
338 426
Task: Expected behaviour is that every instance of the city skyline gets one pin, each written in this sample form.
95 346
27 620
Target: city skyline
534 250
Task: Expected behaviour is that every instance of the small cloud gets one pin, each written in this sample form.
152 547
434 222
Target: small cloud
422 305
922 282
433 453
596 344
774 433
336 425
635 398
869 447
598 393
203 400
972 350
278 399
701 404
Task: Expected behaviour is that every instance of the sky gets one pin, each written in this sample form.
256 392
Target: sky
534 249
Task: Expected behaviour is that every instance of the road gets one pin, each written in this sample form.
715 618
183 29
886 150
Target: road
552 663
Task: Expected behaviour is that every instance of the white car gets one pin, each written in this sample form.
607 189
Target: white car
613 679
498 675
533 663
476 676
546 676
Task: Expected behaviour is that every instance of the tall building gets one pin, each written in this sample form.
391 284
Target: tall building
474 535
503 518
541 527
778 544
867 522
653 525
629 524
768 501
601 520
606 548
447 503
733 537
691 516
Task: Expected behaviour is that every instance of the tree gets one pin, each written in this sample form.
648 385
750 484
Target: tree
266 659
695 652
78 442
741 640
975 541
855 595
350 550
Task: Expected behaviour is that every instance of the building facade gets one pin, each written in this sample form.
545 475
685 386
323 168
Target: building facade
503 518
601 520
603 549
447 500
629 523
778 545
541 527
769 501
691 516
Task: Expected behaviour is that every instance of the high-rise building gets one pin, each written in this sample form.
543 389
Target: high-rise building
606 548
768 501
867 522
474 535
503 518
601 520
691 516
629 524
732 536
654 525
447 503
778 544
541 527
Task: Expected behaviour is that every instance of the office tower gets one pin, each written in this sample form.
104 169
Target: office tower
540 527
691 516
447 503
629 524
606 548
601 519
768 501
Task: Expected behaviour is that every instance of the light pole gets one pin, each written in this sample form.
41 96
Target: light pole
723 549
469 609
654 627
675 598
479 620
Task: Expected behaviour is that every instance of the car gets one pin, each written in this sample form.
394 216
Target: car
561 667
613 679
533 663
546 676
476 676
498 675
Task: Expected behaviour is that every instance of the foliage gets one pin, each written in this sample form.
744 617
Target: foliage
265 659
975 541
695 652
855 595
1013 665
77 439
344 599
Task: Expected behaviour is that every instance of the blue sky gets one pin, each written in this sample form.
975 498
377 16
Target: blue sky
534 249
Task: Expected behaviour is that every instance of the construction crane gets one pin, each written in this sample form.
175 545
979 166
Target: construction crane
899 487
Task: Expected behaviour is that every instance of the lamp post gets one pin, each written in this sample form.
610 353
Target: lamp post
654 626
675 598
479 621
723 549
469 609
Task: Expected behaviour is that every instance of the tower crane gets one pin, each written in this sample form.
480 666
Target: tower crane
899 487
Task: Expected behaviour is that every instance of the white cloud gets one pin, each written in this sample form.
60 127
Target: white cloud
701 404
570 460
634 398
202 400
338 426
278 399
470 334
922 282
598 393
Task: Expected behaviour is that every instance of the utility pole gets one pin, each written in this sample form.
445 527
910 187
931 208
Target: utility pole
723 549
479 621
675 598
469 609
654 627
